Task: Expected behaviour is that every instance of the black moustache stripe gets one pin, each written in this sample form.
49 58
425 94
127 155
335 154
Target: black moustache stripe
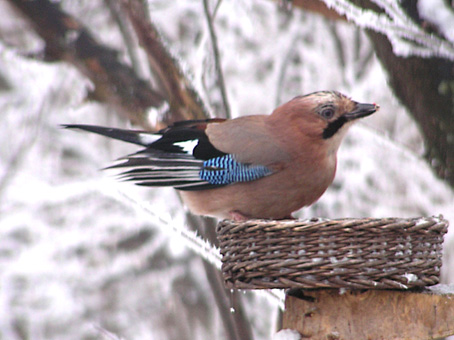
333 127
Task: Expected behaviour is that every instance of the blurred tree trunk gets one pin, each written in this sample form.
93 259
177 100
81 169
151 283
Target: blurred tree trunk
426 88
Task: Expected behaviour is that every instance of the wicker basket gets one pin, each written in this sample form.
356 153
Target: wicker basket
389 253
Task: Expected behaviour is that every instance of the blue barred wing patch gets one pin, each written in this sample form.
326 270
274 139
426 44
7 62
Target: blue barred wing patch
226 170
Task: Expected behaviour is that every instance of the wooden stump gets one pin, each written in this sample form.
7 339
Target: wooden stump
371 314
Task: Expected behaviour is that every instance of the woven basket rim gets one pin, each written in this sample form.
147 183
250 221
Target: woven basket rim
377 253
398 223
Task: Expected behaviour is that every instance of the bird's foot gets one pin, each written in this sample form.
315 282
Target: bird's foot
237 216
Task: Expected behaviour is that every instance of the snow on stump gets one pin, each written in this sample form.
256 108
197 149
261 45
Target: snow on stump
373 261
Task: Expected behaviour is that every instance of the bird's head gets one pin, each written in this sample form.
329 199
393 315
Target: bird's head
323 115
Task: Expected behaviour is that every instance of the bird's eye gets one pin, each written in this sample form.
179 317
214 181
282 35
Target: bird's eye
327 113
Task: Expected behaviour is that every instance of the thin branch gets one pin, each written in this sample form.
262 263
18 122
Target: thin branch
229 302
183 99
200 246
106 334
286 61
217 57
362 63
126 34
220 295
338 44
215 11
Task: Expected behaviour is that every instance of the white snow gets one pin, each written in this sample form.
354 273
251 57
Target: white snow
287 334
155 115
410 277
438 13
443 289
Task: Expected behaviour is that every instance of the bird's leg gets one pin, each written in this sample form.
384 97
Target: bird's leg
237 216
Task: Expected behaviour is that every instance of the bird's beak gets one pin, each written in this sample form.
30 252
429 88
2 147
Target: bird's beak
362 110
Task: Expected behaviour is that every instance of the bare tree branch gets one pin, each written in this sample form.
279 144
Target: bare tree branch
286 61
217 57
215 11
126 34
68 40
338 43
361 60
235 323
183 99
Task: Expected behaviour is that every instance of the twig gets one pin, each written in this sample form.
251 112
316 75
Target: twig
106 334
338 43
217 57
283 69
361 67
183 99
215 11
126 34
192 240
229 302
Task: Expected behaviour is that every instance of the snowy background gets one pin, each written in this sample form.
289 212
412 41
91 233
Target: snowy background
77 259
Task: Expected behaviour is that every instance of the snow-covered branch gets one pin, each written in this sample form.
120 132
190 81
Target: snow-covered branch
406 37
193 241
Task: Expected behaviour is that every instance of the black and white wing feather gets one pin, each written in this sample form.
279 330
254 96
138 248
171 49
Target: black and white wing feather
180 156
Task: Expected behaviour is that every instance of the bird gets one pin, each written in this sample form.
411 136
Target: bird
250 167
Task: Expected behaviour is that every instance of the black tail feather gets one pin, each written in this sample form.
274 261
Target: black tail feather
130 136
162 163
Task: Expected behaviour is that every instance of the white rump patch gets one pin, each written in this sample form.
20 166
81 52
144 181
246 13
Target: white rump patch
148 138
188 145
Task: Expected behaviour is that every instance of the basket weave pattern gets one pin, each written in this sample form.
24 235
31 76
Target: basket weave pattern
388 253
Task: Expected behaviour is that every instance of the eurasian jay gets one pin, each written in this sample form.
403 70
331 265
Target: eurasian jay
263 166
